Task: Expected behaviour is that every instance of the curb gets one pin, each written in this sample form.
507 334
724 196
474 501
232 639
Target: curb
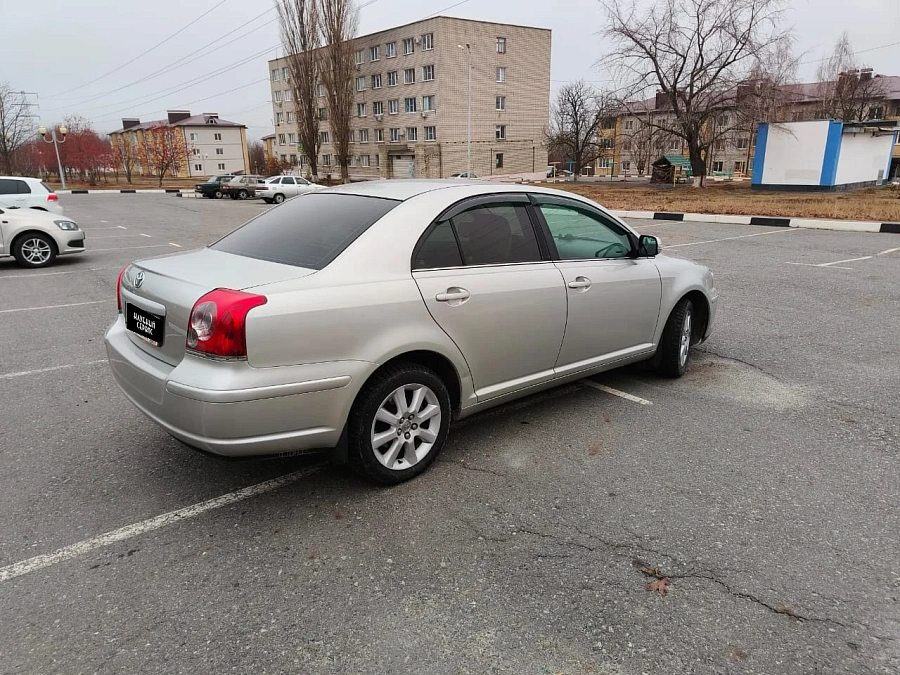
805 223
123 192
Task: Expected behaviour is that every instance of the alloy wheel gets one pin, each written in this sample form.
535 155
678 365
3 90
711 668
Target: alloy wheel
406 426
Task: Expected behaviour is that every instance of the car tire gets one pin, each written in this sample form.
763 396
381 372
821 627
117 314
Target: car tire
243 194
674 350
267 201
218 194
376 415
34 249
279 199
233 196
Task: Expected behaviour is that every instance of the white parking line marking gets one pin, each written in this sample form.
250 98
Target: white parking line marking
145 235
838 262
743 236
24 373
53 274
34 309
121 227
835 267
890 250
104 221
112 236
73 551
174 244
616 392
127 248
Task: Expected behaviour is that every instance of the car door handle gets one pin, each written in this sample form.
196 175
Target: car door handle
580 283
454 293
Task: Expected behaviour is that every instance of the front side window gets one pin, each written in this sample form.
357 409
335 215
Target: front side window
496 234
580 234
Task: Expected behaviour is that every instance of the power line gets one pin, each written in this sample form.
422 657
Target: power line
444 10
861 51
142 54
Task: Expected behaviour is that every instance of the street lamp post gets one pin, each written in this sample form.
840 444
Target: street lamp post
468 49
56 141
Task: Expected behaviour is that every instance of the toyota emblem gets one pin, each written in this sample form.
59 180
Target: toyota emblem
138 279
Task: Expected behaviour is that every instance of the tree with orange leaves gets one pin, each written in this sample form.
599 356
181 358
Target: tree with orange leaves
163 151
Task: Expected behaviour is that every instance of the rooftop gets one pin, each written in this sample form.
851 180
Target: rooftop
188 120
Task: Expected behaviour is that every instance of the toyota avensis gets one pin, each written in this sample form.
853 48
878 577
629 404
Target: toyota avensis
366 317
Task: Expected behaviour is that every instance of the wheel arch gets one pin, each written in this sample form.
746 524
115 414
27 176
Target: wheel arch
441 365
17 237
701 314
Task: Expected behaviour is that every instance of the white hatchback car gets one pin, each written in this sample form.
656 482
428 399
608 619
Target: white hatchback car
36 238
279 188
18 192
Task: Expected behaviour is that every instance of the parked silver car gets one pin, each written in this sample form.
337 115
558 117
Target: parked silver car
367 316
36 237
279 188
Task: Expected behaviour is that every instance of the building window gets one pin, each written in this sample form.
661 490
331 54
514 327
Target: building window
375 53
394 106
501 45
378 107
428 103
360 109
427 73
739 167
718 167
289 117
360 84
379 136
501 103
323 137
364 161
196 152
723 120
629 125
360 53
626 146
392 78
282 139
408 46
428 41
292 139
498 160
326 160
605 163
377 161
287 94
676 144
390 50
500 132
198 167
409 105
409 76
321 89
279 117
363 135
606 143
412 134
376 81
352 136
323 114
221 166
217 137
283 157
276 75
720 144
501 74
743 143
395 135
195 136
430 133
278 96
293 159
284 74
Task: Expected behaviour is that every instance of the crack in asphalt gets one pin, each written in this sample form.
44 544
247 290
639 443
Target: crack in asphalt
737 360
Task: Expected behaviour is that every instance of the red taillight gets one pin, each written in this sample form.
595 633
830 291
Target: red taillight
119 288
218 323
52 198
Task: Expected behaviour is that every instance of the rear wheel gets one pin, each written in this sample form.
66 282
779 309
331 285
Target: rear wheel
34 250
279 199
675 346
243 194
398 424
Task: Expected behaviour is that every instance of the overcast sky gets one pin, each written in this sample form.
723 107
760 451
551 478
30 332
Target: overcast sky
58 46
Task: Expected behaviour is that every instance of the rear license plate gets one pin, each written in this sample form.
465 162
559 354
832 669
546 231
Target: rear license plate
146 325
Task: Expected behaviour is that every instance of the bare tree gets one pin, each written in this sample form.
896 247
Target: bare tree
847 91
695 53
575 122
300 28
164 151
339 20
124 153
257 154
16 125
640 138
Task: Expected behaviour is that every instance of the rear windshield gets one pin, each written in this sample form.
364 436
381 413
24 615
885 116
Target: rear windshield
47 187
309 231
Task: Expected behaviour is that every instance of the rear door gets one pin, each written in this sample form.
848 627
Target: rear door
10 194
488 284
288 186
613 297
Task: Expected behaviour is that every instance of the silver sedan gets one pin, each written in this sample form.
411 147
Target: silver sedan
366 317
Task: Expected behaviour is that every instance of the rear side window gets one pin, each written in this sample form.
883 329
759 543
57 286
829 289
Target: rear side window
24 188
439 249
309 231
8 187
46 187
496 234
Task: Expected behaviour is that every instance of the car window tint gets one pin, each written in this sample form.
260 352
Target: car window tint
7 186
308 231
578 234
302 181
496 234
287 181
439 249
24 188
275 181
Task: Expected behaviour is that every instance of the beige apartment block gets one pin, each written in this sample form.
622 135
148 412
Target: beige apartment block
411 108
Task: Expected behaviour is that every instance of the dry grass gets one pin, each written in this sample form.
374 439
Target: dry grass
877 204
137 183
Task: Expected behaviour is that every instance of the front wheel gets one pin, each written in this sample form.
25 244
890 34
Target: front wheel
35 250
218 194
398 424
675 346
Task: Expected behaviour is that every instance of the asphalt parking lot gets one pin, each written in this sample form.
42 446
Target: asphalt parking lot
763 486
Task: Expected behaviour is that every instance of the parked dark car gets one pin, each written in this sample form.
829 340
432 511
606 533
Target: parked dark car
242 187
212 188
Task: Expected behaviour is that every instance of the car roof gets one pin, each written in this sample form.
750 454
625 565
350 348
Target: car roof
403 189
25 178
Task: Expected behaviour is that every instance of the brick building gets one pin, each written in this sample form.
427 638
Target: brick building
410 112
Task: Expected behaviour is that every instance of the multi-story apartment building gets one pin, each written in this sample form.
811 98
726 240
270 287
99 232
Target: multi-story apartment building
634 144
410 114
213 145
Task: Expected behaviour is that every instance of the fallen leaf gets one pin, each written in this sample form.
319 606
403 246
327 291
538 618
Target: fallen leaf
653 572
338 514
595 449
660 586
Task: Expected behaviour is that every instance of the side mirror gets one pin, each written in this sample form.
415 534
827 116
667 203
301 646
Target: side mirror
648 246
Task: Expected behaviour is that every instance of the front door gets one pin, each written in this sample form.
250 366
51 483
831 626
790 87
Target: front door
486 283
613 297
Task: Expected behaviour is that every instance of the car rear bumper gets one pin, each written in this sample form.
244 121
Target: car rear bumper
262 411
